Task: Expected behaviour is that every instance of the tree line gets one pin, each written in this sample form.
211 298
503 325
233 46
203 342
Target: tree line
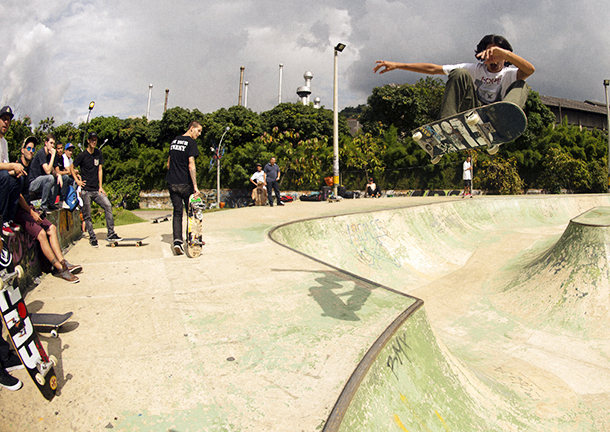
547 156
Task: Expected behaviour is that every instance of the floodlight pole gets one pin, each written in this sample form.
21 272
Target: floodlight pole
606 84
218 168
340 47
91 105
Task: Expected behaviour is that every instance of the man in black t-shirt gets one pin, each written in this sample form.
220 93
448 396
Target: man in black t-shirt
182 178
42 177
90 163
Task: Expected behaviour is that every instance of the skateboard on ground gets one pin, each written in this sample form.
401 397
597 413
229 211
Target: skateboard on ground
50 322
194 227
487 126
261 195
161 219
136 241
23 337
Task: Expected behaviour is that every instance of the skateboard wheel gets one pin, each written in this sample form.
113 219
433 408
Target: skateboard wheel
492 150
53 359
19 271
40 379
112 244
417 136
54 333
473 119
436 159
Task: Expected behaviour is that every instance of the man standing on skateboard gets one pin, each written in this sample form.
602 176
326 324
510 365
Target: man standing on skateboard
90 164
182 178
498 76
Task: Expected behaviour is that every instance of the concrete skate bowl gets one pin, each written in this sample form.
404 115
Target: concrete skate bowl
514 331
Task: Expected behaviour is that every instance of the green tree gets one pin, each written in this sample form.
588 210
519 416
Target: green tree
499 176
562 171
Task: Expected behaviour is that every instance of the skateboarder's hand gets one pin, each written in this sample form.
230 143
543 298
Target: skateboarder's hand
385 66
196 193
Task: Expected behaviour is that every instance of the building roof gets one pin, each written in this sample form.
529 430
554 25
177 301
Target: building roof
589 106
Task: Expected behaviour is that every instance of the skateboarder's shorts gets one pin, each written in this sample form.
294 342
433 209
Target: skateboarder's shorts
468 183
33 228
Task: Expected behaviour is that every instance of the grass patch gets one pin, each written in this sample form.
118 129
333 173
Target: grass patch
121 217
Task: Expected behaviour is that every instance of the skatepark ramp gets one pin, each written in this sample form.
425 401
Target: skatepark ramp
513 331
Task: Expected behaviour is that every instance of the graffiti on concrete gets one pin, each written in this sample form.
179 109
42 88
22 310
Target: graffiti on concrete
368 240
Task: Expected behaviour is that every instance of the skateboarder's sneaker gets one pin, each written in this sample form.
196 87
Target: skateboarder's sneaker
13 363
93 242
7 231
114 237
178 249
74 269
8 381
68 277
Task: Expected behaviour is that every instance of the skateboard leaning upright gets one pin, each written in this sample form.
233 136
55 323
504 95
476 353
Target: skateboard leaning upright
23 337
194 227
487 126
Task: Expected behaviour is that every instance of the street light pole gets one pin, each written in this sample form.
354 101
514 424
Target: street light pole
91 105
340 47
606 84
150 86
219 153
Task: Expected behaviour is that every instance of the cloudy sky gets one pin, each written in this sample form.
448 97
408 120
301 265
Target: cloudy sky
59 55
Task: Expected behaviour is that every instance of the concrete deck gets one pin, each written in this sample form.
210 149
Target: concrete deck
255 337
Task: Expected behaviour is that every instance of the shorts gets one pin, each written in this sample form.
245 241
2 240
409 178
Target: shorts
33 228
467 183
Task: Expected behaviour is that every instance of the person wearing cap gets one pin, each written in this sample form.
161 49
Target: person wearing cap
258 178
38 227
43 179
90 163
11 176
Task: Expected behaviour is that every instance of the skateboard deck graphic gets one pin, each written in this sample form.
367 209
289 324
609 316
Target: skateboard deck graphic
50 322
23 337
194 227
487 126
136 241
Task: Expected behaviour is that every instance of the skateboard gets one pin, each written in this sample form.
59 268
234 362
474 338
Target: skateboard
50 321
261 195
194 227
161 219
487 126
23 337
137 242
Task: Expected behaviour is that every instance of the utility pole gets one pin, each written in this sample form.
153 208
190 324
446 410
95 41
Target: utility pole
241 83
279 91
166 97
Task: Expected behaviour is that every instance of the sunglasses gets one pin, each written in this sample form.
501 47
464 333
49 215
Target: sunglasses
30 148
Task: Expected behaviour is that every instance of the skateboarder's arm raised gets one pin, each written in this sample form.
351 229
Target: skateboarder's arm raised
495 54
384 66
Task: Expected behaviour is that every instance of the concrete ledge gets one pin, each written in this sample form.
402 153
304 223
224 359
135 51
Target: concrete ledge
26 250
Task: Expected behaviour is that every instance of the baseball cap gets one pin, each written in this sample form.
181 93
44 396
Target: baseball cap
30 139
92 135
69 145
6 110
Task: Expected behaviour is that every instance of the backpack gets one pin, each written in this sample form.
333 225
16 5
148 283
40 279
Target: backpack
71 198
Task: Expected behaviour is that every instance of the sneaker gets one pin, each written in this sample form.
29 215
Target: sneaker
14 226
93 242
74 269
9 382
7 231
114 237
13 363
65 206
280 203
68 277
178 249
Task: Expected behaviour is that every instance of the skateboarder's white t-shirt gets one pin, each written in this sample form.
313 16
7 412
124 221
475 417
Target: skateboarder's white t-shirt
491 87
258 176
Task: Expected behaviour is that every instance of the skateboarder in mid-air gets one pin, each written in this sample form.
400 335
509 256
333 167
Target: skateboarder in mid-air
498 76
